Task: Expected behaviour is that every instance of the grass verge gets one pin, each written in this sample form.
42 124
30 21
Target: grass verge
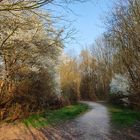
55 116
122 117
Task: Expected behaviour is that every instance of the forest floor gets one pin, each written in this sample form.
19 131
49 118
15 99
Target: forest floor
94 124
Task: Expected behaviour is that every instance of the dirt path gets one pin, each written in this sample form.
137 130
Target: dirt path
93 125
96 125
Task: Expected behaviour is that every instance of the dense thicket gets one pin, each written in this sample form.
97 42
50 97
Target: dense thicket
123 35
70 79
29 50
30 46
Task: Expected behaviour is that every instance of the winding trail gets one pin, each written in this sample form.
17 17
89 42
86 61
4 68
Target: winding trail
93 125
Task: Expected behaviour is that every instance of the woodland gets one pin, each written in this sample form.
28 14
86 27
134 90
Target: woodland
36 74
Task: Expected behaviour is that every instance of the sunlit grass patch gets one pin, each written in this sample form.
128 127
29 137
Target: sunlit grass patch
56 116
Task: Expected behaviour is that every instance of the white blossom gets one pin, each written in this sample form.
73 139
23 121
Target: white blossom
119 85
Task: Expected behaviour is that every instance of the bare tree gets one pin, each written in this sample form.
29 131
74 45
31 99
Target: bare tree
123 33
70 79
103 54
88 76
20 5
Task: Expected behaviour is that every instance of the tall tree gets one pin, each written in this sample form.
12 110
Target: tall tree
29 47
124 33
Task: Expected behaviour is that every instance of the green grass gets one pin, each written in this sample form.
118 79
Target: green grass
122 117
56 116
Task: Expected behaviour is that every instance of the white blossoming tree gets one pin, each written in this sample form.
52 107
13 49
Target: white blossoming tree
119 90
119 85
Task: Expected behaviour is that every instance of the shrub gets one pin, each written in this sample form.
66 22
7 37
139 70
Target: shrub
119 90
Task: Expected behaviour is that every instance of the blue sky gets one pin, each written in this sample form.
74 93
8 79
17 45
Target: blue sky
87 20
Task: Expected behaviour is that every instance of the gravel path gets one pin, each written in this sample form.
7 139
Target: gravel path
96 125
93 125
